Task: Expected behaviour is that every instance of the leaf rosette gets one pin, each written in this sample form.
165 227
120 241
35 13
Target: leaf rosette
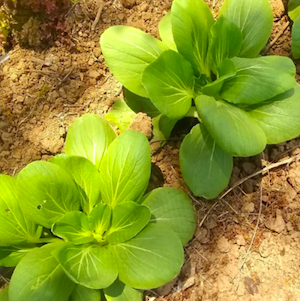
80 227
210 70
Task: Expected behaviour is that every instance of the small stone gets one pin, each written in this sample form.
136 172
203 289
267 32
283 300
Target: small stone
248 207
250 285
143 124
201 235
211 223
190 282
144 7
166 289
289 226
97 51
248 167
276 224
3 125
94 74
240 240
128 3
62 93
14 76
223 245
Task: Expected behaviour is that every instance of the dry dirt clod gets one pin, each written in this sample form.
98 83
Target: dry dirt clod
251 285
223 245
142 123
128 3
248 207
276 224
240 240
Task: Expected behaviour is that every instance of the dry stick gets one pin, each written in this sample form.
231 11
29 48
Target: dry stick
277 37
253 236
262 171
101 5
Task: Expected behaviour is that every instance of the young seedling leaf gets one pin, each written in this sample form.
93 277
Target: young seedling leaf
86 176
225 41
259 79
74 227
296 38
4 294
120 115
15 257
254 19
118 291
82 293
205 167
172 208
191 23
233 129
91 266
294 9
151 259
46 192
125 169
225 70
162 127
100 220
40 277
89 137
170 85
128 219
15 228
140 104
128 51
165 32
280 117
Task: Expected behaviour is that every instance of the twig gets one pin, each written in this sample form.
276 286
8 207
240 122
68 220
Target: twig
253 236
100 8
164 140
276 38
208 212
262 171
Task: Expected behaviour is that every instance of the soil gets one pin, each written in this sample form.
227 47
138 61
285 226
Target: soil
237 253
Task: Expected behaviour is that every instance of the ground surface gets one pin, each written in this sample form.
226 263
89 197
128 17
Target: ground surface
43 91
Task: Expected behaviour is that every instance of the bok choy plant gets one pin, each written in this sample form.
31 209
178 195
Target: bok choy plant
212 70
80 227
294 14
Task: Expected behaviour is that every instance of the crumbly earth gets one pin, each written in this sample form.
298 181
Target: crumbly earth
43 91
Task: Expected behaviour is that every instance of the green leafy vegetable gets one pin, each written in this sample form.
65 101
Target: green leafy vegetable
128 220
46 192
91 266
82 293
134 54
205 166
86 176
89 137
104 240
294 13
170 86
118 291
255 20
211 70
15 228
140 261
40 277
125 169
74 227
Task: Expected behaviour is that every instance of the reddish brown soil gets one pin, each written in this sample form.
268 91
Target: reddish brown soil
43 91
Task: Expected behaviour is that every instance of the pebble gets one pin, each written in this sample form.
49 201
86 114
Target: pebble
240 240
276 224
223 245
248 207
